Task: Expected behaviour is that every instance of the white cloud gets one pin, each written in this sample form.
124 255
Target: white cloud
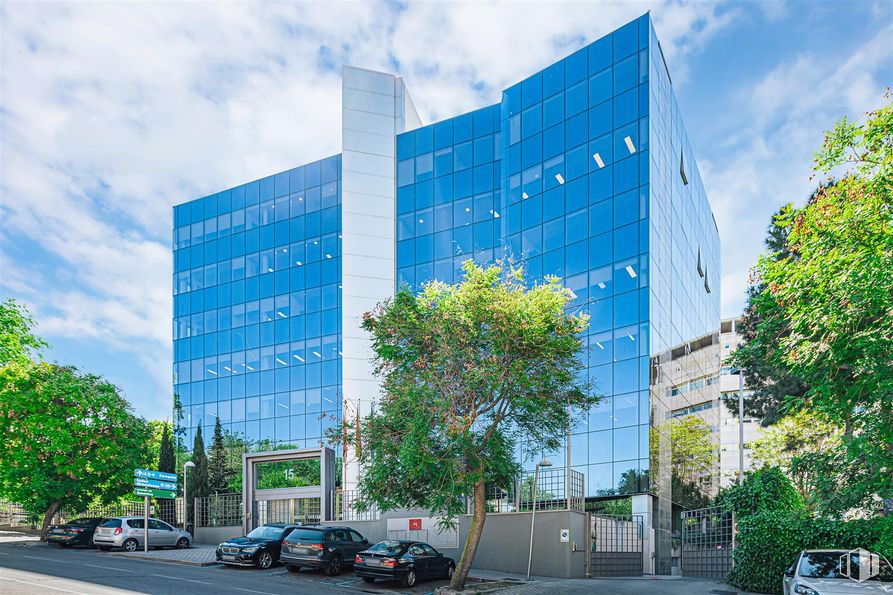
768 161
113 112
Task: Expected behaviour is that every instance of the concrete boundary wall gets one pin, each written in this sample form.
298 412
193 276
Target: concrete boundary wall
503 546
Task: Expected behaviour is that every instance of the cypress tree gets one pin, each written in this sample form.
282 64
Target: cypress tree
166 461
198 475
217 469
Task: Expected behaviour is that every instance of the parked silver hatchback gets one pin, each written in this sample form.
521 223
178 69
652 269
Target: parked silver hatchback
127 533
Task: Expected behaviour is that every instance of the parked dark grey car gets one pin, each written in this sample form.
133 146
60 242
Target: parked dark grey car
317 546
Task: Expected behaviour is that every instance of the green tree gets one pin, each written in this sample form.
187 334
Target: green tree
68 438
762 327
17 343
198 476
167 462
166 459
793 444
835 292
468 370
218 470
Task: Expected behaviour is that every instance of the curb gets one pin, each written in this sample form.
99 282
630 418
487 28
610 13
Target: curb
164 560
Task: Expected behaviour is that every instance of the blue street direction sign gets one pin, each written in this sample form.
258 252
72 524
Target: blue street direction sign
154 493
159 475
151 483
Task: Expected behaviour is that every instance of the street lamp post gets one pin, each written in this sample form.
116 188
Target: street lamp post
740 426
536 472
186 466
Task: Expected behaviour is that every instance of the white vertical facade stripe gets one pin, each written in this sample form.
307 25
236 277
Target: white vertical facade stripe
375 108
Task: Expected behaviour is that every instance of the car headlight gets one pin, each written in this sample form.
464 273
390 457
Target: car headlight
250 550
804 590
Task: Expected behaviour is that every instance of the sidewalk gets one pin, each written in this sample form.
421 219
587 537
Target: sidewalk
197 555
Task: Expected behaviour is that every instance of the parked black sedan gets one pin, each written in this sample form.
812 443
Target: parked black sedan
404 561
259 548
77 532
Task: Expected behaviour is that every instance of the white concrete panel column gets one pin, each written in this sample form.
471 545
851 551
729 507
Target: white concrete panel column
642 504
375 108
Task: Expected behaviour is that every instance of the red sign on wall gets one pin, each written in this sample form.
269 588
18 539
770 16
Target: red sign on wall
415 524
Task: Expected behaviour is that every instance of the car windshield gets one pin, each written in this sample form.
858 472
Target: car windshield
111 523
834 565
391 548
266 532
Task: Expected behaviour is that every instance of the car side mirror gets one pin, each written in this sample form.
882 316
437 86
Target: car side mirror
365 540
439 554
788 573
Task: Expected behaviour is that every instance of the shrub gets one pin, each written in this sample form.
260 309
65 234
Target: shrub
764 489
769 541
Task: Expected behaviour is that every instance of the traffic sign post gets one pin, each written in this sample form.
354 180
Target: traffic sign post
149 483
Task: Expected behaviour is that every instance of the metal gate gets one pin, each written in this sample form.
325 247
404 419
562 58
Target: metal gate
707 541
617 545
304 511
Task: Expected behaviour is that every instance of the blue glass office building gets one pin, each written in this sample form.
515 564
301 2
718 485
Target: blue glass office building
583 170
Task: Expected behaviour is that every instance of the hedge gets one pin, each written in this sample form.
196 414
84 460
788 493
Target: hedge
769 541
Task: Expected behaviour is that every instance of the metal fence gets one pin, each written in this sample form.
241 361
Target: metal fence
13 515
128 508
708 537
555 490
344 508
219 510
617 545
305 511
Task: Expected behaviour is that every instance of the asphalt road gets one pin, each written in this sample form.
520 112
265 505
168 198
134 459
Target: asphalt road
43 569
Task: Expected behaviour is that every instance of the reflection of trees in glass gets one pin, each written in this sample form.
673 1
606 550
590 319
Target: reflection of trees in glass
633 481
693 461
287 474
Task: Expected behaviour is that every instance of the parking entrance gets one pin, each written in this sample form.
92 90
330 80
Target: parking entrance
617 545
288 486
707 542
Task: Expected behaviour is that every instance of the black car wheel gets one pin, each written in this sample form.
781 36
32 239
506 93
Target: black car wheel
409 578
264 560
368 579
450 570
130 545
182 543
334 568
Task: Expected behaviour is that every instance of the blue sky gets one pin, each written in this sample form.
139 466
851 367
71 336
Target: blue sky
113 112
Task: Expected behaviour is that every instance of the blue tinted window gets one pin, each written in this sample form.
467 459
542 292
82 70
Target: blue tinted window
626 40
553 79
626 74
532 90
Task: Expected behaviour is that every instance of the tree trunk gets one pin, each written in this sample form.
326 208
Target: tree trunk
474 537
47 517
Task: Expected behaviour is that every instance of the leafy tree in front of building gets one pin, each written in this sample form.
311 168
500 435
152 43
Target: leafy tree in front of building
835 293
762 328
468 371
69 438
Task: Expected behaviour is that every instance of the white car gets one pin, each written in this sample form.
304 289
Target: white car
127 533
824 572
